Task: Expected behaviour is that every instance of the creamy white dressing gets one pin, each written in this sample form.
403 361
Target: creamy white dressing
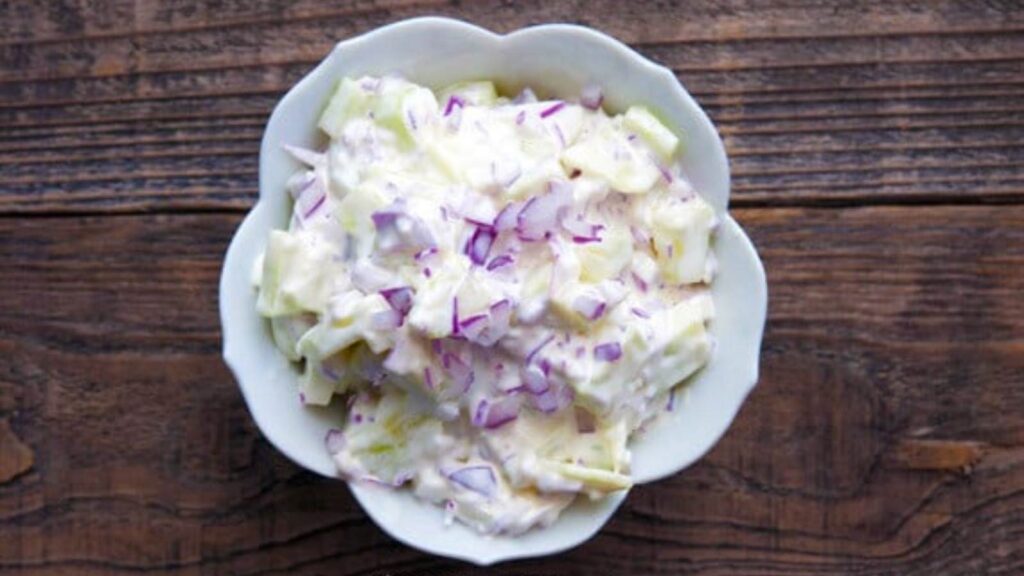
504 291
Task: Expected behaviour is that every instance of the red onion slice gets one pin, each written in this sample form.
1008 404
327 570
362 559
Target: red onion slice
479 479
399 298
541 214
608 352
471 328
500 413
499 261
552 110
453 102
507 217
479 245
535 380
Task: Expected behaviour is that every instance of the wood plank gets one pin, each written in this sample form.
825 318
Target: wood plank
819 102
885 436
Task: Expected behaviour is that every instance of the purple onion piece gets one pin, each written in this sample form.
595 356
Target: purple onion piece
315 207
640 312
479 479
507 217
399 298
535 380
500 413
499 261
551 110
473 326
453 101
479 245
608 352
541 214
480 414
671 400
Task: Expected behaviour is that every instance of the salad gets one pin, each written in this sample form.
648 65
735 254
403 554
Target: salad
501 291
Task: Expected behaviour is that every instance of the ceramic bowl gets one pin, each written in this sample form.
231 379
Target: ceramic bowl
553 60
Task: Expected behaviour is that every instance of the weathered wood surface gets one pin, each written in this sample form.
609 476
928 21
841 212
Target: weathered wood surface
867 142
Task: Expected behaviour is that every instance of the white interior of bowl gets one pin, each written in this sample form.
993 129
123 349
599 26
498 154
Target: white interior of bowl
554 60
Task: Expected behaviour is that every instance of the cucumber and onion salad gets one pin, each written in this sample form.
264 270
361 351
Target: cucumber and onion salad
502 291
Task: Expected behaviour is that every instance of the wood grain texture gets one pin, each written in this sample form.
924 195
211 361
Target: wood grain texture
885 436
115 106
869 143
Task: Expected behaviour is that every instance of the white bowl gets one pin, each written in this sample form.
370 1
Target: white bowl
553 59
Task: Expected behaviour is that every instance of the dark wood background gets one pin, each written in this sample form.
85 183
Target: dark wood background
878 165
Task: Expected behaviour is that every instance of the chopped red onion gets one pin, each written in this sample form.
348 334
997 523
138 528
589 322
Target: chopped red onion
671 400
399 298
473 326
428 378
553 109
501 412
479 245
453 101
479 479
506 218
608 352
591 97
316 206
640 312
542 213
521 117
535 380
588 306
335 441
499 261
553 400
640 283
479 414
455 315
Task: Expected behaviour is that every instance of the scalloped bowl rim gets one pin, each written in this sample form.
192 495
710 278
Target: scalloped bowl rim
656 453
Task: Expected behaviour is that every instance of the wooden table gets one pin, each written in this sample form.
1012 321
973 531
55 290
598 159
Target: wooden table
878 165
